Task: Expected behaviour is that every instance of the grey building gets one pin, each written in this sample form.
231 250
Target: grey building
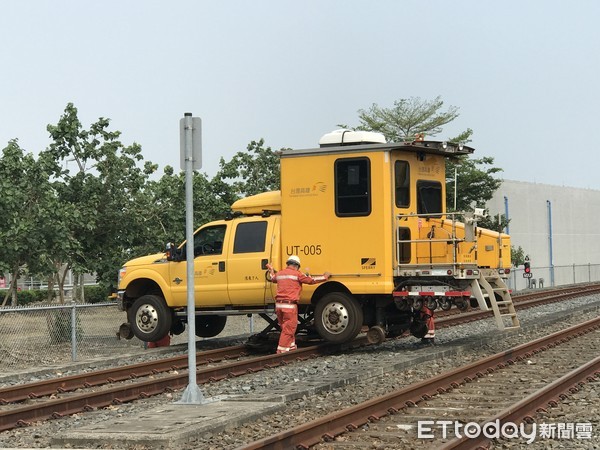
557 226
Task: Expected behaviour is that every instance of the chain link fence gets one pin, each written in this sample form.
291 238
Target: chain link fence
550 276
53 335
39 336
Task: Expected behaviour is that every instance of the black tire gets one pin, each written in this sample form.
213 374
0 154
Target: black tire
338 317
150 318
177 327
210 326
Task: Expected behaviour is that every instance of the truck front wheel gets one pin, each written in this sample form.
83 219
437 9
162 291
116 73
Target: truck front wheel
150 318
338 317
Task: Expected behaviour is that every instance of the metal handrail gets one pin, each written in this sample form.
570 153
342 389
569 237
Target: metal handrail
451 240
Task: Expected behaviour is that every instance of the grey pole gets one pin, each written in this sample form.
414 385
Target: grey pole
506 213
549 205
73 332
455 186
192 393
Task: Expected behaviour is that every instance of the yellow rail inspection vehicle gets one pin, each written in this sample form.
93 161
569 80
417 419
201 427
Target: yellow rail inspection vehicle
372 213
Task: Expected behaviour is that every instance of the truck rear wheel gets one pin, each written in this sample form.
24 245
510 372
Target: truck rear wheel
150 318
338 317
209 326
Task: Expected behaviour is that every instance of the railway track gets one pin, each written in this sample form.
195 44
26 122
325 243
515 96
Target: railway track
508 386
57 397
22 392
16 415
530 300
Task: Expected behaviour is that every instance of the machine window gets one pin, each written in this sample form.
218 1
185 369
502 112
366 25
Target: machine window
403 247
402 183
209 241
429 197
250 237
352 187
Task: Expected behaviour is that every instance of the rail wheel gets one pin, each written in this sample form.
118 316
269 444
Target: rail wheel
209 326
338 317
150 318
445 304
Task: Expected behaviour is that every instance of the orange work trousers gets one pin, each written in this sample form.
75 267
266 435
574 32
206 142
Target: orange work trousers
287 317
427 315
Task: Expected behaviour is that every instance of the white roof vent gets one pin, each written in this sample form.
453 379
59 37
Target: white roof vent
349 137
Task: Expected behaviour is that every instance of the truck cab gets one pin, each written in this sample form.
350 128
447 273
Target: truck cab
230 258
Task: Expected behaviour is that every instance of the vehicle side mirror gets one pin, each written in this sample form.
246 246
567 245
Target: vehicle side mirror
172 252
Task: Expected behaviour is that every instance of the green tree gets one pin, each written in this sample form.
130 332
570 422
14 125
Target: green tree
162 213
251 172
517 255
28 211
476 182
497 222
408 118
88 203
162 207
246 173
100 195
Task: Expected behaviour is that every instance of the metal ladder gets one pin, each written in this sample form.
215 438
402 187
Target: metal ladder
498 298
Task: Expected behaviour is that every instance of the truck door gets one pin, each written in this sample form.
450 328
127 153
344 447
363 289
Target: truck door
251 249
210 269
419 189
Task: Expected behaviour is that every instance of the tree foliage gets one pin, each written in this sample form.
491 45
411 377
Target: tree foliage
517 255
476 182
254 171
97 196
89 202
162 208
28 210
408 118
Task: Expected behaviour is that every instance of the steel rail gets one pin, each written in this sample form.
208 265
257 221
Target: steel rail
24 415
524 302
331 425
43 388
526 408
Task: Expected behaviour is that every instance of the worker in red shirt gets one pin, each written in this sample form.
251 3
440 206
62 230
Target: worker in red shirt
289 286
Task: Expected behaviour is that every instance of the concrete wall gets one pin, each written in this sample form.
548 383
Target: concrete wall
575 220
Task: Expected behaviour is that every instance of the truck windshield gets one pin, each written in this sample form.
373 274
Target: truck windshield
209 241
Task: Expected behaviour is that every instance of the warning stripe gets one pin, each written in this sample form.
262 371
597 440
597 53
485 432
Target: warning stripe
432 294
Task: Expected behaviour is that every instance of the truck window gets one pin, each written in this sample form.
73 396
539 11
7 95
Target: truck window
404 245
250 237
209 241
429 197
352 187
402 183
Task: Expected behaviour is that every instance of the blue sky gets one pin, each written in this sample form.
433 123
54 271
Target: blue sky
524 74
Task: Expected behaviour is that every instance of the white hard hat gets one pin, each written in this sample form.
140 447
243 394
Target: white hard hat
293 260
